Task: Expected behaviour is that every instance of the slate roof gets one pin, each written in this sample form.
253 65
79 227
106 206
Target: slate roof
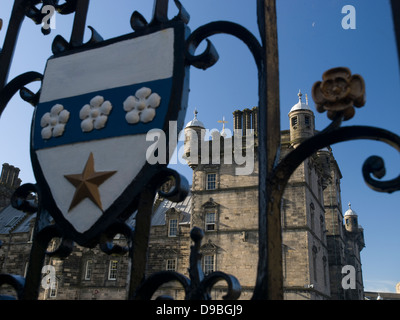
184 207
14 220
158 218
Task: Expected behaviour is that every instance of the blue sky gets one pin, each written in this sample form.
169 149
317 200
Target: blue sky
311 40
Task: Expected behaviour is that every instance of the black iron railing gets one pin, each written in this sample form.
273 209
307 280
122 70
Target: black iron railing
273 174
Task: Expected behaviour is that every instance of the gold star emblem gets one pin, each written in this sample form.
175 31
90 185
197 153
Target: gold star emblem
87 184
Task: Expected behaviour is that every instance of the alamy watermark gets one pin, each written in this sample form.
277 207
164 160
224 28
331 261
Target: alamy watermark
349 20
49 20
238 149
49 280
349 278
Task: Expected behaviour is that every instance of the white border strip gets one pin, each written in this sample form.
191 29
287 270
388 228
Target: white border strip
136 60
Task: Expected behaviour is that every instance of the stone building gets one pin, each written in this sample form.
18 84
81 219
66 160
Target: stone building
317 244
15 226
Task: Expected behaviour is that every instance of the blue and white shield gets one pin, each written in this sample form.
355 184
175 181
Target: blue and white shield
88 143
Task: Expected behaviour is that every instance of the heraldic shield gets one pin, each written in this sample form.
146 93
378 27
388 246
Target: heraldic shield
88 141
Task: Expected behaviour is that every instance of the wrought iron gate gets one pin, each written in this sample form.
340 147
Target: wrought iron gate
273 174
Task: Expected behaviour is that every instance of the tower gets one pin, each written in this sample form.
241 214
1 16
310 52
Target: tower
351 220
305 252
354 239
302 122
194 135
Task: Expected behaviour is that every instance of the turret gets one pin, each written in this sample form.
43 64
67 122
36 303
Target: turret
351 220
324 163
302 122
194 135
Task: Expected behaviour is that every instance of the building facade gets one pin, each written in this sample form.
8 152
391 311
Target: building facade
318 239
316 244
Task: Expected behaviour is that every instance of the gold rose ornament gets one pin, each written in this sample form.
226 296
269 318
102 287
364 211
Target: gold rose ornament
338 93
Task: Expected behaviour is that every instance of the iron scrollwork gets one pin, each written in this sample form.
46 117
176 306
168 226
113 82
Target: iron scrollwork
29 9
18 84
38 15
199 286
45 230
338 94
16 282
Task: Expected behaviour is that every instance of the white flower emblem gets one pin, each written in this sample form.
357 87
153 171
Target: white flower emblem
95 114
141 107
53 122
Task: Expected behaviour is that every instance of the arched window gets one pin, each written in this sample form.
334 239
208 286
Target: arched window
294 122
312 215
307 121
314 258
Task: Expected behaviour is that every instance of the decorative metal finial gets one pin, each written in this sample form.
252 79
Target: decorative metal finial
195 113
349 205
306 99
223 133
223 123
339 92
300 95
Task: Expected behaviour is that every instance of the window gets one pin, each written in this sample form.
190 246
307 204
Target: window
338 191
307 121
112 270
284 259
173 228
312 215
88 269
294 121
208 264
210 183
53 290
210 221
321 220
324 259
314 257
171 264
